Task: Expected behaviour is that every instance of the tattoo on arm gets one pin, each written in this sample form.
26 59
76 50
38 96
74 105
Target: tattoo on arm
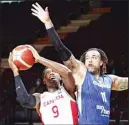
122 84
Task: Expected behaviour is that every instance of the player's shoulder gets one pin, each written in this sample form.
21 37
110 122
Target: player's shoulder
45 94
107 79
37 97
37 94
63 91
107 76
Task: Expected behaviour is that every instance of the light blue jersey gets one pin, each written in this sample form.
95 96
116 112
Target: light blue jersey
94 100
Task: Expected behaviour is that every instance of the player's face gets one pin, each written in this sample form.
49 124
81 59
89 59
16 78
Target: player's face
93 61
51 78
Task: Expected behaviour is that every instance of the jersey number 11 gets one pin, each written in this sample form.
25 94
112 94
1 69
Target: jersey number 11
103 94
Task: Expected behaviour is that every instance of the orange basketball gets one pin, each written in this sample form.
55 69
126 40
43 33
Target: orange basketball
23 57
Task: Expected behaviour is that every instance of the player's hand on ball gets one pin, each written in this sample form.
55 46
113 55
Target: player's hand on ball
11 64
39 12
35 53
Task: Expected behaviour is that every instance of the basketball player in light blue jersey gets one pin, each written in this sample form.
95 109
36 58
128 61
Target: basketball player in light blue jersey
93 86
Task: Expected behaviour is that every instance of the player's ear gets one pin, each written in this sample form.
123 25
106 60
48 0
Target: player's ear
44 81
101 63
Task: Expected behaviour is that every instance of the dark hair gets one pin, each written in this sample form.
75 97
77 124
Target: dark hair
42 77
103 58
43 73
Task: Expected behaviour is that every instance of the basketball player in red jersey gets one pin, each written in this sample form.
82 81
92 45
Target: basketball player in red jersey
57 105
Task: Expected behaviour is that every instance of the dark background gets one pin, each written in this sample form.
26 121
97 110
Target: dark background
109 32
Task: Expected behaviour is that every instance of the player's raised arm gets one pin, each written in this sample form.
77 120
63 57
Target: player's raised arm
65 54
62 70
23 97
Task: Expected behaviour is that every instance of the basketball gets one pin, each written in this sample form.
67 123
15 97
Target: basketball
23 57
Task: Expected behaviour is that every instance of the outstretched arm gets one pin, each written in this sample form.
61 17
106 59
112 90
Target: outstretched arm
62 70
65 54
119 83
23 97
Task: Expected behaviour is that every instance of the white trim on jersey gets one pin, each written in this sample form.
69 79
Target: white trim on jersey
79 98
62 87
38 98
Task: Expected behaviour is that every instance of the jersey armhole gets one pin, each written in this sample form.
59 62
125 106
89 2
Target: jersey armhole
110 79
79 85
38 98
62 88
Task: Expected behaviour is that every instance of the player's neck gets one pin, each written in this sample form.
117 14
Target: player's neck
97 74
52 89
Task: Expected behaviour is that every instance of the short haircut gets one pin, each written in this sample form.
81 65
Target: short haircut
44 71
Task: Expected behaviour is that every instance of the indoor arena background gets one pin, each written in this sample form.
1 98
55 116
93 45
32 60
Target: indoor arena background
81 24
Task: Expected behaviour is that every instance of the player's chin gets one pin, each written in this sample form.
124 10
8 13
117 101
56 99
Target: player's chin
54 82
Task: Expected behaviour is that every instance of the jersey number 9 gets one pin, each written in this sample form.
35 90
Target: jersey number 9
55 111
